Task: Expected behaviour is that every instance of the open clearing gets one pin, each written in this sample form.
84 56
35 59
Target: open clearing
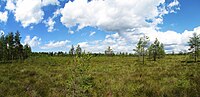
111 77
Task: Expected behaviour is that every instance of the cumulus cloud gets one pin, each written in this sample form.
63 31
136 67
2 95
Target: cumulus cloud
109 15
57 44
25 9
130 19
3 16
114 15
172 40
29 11
126 42
83 44
115 41
33 42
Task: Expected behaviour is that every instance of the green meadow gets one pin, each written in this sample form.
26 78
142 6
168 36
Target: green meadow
101 76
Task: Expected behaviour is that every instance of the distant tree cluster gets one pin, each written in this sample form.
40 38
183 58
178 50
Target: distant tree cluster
156 50
77 51
12 49
109 51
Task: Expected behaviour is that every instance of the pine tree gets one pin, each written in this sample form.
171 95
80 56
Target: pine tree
10 45
78 50
27 51
18 46
72 51
156 50
194 44
1 47
12 49
161 51
141 47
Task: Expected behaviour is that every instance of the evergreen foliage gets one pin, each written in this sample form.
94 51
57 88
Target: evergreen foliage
78 50
194 44
141 47
156 50
12 49
72 51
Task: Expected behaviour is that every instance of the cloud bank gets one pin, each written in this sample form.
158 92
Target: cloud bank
116 15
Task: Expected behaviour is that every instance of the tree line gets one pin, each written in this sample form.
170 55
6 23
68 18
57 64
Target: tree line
156 49
143 48
12 49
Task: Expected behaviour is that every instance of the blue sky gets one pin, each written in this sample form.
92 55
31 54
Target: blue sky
55 25
187 18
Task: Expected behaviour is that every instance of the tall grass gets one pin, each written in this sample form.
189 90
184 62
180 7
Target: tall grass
100 77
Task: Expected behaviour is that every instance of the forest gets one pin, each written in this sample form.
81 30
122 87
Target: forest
149 72
12 49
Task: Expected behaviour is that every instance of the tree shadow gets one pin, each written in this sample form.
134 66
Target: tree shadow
5 62
190 61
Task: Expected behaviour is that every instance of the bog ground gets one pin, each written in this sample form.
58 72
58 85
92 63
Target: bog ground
115 76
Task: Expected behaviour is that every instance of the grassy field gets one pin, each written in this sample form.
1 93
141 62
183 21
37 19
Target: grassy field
104 77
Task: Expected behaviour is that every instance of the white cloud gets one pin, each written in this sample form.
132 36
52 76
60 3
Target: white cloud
56 13
83 44
57 44
113 15
71 31
29 11
92 33
33 42
173 6
3 16
115 41
50 24
129 18
52 2
172 40
10 5
126 42
174 3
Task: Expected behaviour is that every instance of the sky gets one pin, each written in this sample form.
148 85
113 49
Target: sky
56 25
